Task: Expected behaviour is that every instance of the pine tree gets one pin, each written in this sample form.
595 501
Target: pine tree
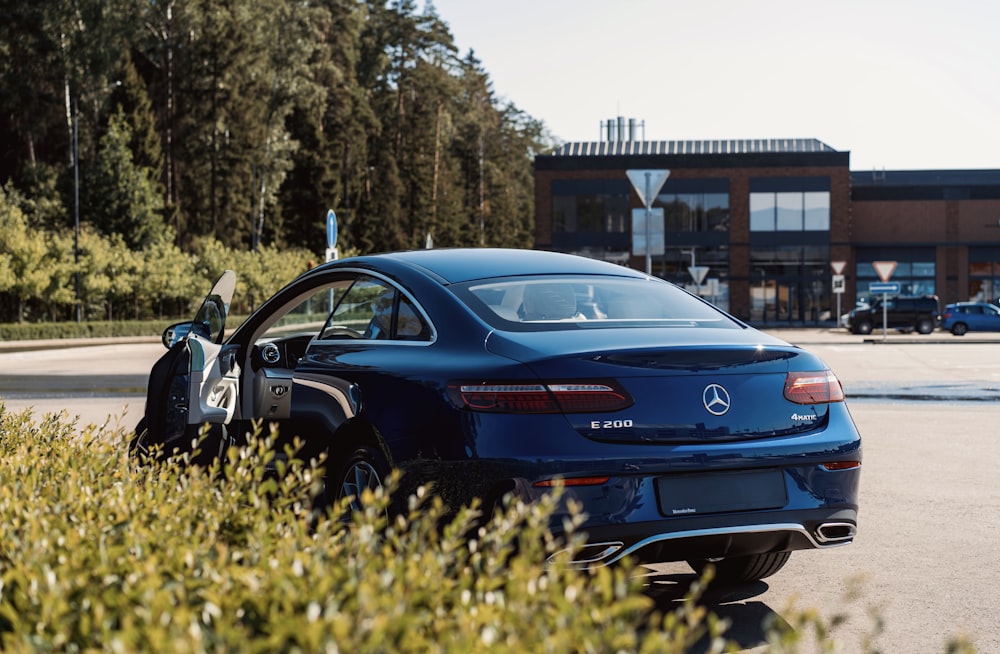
125 198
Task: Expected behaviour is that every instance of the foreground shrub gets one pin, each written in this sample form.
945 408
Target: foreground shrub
99 555
96 555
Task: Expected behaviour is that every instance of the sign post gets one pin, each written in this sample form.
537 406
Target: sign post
647 184
838 284
647 231
884 270
331 235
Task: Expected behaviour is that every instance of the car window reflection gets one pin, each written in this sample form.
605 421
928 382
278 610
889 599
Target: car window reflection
561 302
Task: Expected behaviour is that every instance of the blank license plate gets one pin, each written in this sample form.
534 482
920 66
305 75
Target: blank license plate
721 492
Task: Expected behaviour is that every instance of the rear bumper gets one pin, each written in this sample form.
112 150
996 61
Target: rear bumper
630 514
713 537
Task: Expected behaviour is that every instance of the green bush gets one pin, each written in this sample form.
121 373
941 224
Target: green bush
29 331
94 329
97 554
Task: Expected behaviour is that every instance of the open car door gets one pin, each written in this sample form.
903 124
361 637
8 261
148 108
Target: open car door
195 383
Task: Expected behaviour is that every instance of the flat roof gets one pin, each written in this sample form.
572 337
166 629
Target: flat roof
897 178
714 146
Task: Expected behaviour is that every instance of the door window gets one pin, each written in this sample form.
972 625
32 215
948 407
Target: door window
373 309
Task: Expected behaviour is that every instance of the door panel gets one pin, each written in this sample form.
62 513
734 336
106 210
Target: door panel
213 384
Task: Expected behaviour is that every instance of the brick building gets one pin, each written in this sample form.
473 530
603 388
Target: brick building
768 217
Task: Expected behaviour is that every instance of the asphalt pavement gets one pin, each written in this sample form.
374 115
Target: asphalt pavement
896 366
923 568
934 367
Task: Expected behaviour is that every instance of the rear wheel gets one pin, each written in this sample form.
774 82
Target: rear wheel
959 329
364 468
925 326
743 569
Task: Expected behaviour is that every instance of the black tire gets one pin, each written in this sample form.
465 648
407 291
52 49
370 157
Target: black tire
743 569
137 447
864 327
959 329
925 326
363 467
213 446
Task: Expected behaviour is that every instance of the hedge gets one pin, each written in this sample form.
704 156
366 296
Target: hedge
93 329
100 554
65 330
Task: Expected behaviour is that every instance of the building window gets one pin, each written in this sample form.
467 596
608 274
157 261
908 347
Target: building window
598 212
790 204
984 274
789 211
816 211
694 212
788 207
605 213
695 205
762 206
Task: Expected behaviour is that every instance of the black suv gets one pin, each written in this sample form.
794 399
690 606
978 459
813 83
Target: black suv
903 313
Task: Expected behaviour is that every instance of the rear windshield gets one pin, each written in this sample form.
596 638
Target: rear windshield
586 302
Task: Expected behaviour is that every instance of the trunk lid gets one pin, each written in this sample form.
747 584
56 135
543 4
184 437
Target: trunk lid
687 386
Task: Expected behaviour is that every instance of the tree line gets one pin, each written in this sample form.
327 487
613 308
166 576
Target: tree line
167 131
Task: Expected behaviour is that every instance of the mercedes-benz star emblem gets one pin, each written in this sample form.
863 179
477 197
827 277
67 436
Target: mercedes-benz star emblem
716 399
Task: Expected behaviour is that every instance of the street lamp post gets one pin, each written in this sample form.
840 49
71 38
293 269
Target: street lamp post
76 205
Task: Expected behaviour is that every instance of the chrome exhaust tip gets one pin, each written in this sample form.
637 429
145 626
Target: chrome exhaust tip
835 532
586 555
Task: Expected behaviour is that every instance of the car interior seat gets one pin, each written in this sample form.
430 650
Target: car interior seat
548 302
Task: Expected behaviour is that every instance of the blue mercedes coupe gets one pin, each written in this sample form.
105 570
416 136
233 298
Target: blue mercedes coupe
684 433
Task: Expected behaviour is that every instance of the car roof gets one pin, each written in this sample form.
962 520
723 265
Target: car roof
458 265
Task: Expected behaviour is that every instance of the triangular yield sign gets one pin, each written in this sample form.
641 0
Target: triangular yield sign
698 273
884 269
656 180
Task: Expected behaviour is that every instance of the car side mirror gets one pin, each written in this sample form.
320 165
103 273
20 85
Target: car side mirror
176 332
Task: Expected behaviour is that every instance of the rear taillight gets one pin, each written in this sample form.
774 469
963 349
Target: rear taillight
840 465
571 481
813 387
542 397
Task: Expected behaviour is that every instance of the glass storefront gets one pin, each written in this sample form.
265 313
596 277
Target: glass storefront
984 274
790 283
674 264
789 229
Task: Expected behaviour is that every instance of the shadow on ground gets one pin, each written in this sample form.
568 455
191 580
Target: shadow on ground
749 620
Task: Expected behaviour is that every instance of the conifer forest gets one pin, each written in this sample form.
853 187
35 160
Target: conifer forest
143 140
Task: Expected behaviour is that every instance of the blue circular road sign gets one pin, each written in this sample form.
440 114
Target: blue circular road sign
331 229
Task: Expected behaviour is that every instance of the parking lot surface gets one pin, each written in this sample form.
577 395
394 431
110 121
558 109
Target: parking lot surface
924 564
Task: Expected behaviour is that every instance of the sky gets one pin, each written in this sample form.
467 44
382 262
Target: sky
900 84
